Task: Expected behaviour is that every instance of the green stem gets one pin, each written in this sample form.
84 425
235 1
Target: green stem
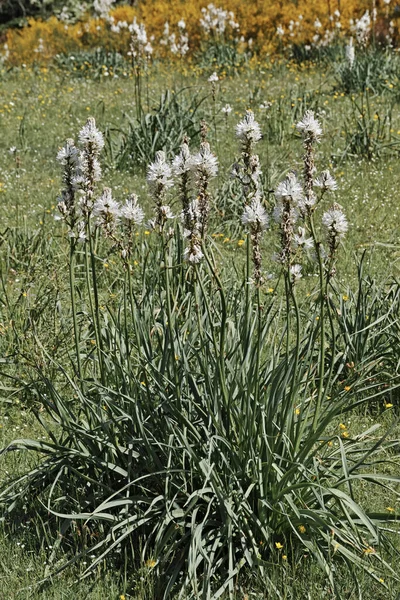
73 304
170 321
323 293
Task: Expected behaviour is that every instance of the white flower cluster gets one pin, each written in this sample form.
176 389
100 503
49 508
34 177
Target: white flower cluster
350 53
81 172
178 44
248 130
362 28
213 78
254 214
117 27
310 127
106 211
215 20
159 179
103 7
227 109
204 164
159 174
89 135
140 46
182 161
335 221
326 182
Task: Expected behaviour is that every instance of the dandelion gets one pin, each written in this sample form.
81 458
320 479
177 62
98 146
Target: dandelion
302 529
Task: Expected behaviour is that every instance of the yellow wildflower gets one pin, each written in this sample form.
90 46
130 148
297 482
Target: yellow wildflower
151 563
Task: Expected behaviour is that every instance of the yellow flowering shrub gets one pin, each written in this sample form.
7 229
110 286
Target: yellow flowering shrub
258 19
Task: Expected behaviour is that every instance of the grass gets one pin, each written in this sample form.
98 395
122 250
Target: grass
40 108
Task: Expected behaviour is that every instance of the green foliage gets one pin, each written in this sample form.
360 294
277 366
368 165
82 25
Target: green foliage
373 70
97 63
368 132
286 110
177 114
210 439
222 56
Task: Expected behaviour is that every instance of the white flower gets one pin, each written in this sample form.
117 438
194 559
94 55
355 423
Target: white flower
69 153
255 214
181 24
301 241
227 109
280 31
277 213
350 53
309 126
81 231
191 216
148 49
214 77
295 271
248 130
83 166
326 181
106 206
335 220
290 187
205 163
131 211
89 134
166 212
193 254
159 172
182 161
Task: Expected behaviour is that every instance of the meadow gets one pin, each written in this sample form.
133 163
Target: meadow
199 322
